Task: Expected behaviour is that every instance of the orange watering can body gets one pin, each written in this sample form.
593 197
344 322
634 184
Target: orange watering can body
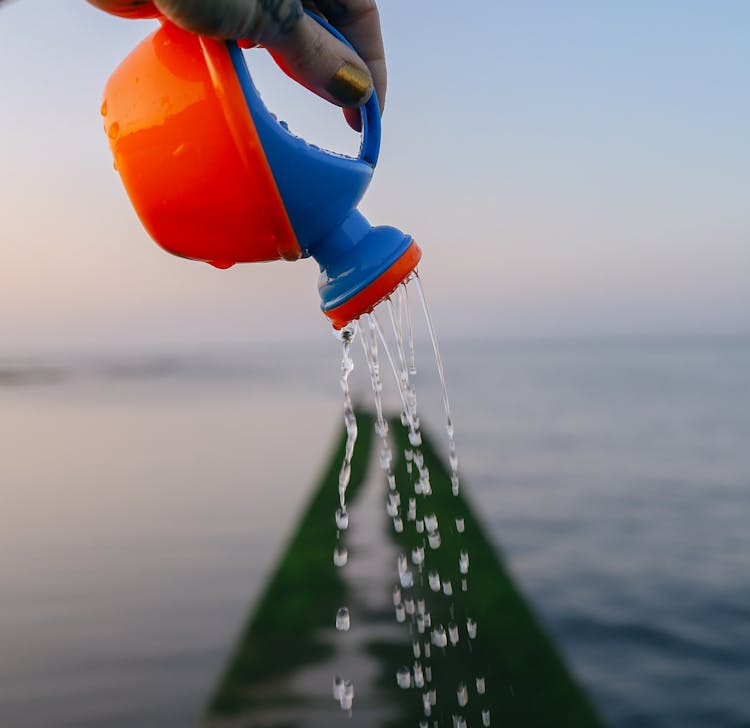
215 177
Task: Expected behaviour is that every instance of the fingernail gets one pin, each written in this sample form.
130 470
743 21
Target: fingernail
350 85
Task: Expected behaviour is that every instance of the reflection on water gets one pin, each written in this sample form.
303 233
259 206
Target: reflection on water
141 516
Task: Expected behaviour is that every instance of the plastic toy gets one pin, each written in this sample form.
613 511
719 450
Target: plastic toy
215 177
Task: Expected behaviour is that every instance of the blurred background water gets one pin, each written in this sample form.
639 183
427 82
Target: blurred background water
146 499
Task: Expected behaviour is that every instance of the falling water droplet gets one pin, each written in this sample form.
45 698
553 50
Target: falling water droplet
433 579
447 588
471 628
400 613
428 673
417 556
480 685
348 697
462 694
439 638
409 605
342 519
338 687
427 707
407 579
396 595
342 620
460 526
431 522
434 540
486 717
453 633
403 678
340 556
418 675
463 562
419 526
398 525
416 648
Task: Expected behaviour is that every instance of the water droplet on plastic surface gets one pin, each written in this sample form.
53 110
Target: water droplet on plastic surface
103 108
114 131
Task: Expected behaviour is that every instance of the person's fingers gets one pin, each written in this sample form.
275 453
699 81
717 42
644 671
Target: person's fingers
322 63
303 49
258 20
359 22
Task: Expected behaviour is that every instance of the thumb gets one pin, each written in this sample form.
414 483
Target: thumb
322 63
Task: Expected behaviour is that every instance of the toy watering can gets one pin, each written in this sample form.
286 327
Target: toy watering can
214 176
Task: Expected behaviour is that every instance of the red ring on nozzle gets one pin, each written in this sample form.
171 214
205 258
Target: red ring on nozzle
377 291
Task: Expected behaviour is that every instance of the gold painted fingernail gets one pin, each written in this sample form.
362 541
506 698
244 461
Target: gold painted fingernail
350 85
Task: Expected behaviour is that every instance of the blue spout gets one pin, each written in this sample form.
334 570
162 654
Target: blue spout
353 255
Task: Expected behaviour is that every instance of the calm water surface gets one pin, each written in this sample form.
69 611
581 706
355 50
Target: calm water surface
145 500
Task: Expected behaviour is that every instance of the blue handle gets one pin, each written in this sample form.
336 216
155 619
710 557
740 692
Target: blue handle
370 112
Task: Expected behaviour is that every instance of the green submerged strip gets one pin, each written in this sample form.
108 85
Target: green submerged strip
527 682
301 598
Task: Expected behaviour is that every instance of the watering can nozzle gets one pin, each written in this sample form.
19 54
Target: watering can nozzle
215 176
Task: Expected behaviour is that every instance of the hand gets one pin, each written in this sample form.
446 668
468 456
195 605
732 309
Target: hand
303 49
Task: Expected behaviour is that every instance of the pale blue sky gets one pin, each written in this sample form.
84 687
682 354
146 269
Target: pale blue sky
575 168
